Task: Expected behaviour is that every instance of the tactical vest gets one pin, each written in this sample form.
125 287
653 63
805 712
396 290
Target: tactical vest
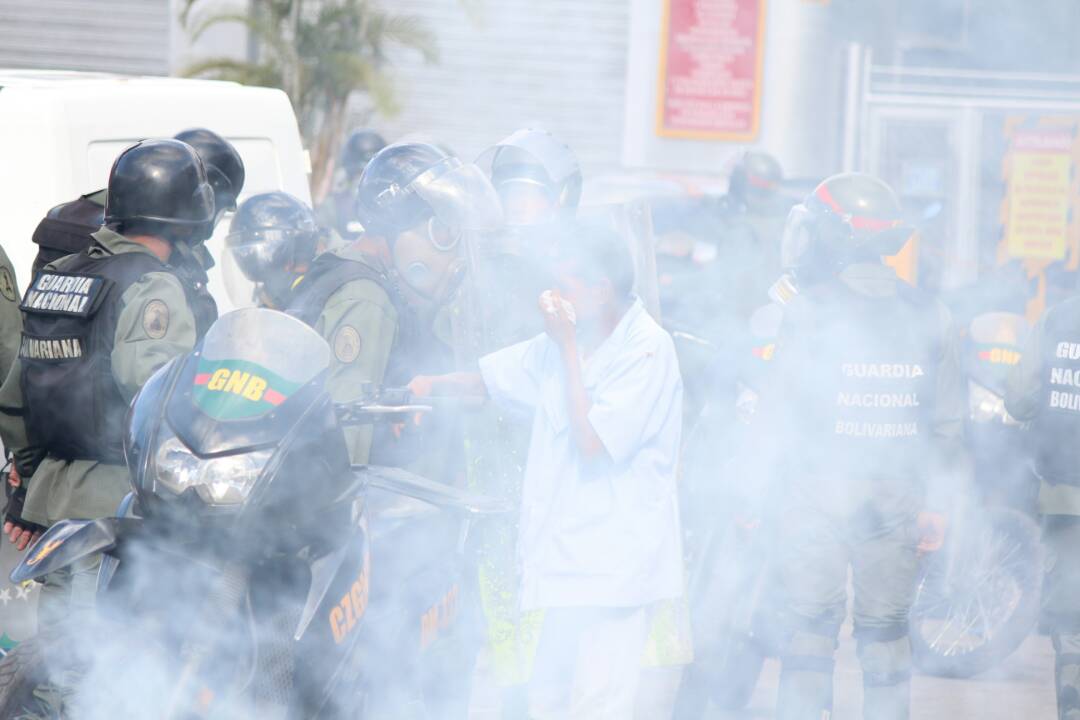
1056 429
868 384
73 406
66 229
414 352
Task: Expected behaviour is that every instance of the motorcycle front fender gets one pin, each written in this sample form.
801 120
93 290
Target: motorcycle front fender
68 541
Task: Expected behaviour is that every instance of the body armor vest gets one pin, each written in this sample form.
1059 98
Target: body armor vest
415 351
869 383
1057 426
73 406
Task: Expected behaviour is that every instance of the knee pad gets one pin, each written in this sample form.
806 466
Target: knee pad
885 663
809 652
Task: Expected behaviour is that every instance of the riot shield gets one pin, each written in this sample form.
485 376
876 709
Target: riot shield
495 308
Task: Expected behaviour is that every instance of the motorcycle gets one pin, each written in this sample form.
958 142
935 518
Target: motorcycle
978 597
252 571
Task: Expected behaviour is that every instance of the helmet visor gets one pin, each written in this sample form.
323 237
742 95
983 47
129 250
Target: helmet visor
254 258
532 147
526 201
798 232
461 198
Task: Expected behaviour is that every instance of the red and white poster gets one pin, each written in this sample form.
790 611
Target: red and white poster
710 69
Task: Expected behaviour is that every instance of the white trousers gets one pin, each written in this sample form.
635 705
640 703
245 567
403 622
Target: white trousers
587 663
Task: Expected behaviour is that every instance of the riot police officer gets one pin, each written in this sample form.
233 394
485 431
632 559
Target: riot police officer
277 244
865 388
1043 390
746 225
97 325
66 228
538 180
536 175
338 210
379 302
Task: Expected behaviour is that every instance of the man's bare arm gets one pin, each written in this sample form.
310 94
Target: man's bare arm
458 384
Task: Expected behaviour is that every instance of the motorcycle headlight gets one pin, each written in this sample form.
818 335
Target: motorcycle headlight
986 406
218 481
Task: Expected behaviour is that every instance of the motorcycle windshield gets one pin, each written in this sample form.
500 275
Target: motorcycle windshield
255 373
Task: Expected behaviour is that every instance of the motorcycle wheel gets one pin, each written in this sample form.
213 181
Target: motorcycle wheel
22 671
976 602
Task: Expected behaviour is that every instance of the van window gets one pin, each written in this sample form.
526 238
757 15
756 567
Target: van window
261 165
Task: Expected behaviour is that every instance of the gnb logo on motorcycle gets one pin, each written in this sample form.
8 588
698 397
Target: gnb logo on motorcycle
238 382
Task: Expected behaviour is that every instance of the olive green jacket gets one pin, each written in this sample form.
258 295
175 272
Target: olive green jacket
85 488
360 323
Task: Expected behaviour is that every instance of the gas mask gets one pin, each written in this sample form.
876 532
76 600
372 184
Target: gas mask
429 259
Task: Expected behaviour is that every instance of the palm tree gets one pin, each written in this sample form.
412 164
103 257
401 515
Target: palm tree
319 52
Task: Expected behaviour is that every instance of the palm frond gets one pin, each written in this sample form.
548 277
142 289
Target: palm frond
263 29
411 32
247 73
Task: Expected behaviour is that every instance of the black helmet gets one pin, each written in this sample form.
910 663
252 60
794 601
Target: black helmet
756 177
533 158
423 201
848 218
359 148
272 237
224 168
387 202
160 187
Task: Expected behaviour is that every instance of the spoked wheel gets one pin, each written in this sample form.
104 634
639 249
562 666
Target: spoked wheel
977 600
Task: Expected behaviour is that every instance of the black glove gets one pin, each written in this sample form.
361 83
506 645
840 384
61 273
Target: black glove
16 496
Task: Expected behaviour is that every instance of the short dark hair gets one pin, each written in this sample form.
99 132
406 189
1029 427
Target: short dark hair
596 252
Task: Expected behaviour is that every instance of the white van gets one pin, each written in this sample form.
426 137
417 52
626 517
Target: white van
60 132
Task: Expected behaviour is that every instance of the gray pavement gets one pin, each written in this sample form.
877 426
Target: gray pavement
1021 687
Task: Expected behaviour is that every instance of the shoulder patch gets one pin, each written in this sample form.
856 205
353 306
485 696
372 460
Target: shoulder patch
346 344
155 319
7 285
60 293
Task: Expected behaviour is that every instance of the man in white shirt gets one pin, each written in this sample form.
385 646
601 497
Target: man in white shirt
599 534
